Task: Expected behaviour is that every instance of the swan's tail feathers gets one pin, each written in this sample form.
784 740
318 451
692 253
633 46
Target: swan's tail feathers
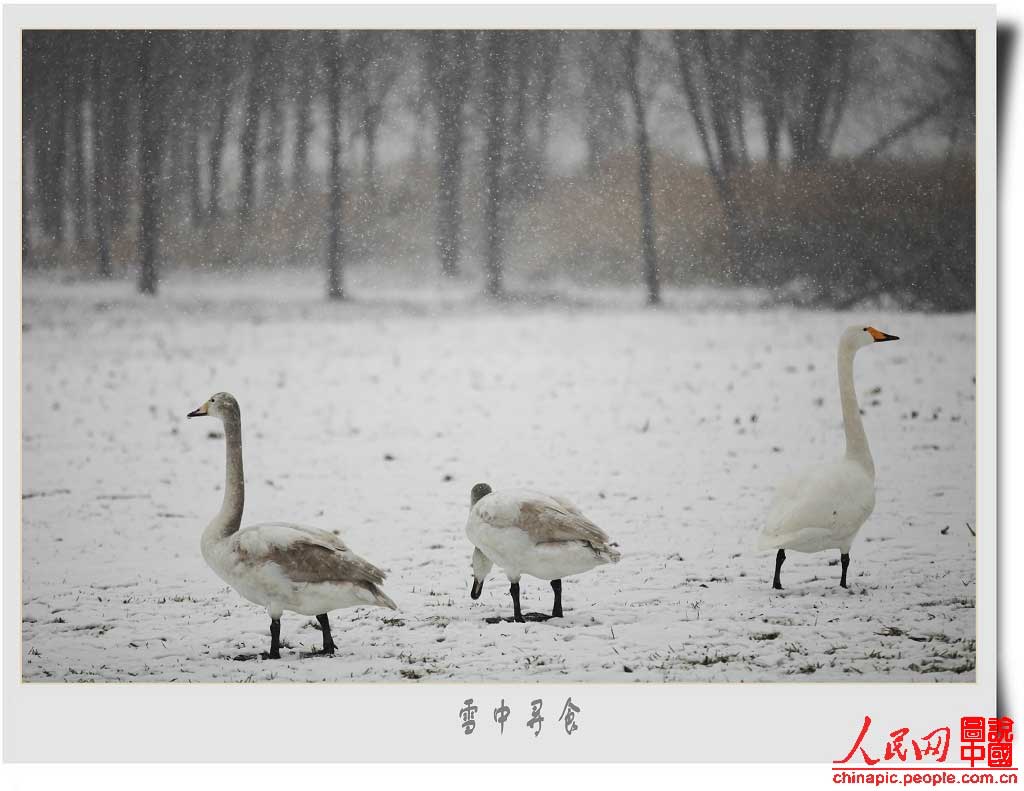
381 599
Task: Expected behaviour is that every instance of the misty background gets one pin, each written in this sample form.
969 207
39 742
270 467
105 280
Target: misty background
822 168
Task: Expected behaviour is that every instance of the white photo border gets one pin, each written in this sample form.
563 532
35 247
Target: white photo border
393 721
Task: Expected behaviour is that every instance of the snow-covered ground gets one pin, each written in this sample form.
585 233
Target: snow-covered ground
668 428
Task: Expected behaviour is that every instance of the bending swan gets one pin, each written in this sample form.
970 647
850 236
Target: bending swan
278 565
527 532
825 506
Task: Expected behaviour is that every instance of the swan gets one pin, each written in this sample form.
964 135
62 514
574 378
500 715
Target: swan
279 565
527 532
824 506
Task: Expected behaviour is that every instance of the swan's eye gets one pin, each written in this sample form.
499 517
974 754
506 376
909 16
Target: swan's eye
213 400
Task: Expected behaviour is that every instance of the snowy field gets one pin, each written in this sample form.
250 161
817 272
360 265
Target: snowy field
668 428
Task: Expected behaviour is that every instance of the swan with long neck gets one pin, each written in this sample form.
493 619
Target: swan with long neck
825 506
278 565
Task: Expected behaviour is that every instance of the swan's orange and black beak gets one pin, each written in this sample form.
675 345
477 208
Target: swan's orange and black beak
200 412
477 589
880 336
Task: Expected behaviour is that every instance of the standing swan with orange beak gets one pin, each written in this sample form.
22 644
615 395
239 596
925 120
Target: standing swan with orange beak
279 565
825 506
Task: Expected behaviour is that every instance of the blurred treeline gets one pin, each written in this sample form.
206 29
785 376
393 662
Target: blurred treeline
830 167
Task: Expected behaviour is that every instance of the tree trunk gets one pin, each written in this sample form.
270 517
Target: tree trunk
100 183
53 179
275 135
807 133
336 195
251 130
300 152
519 53
709 131
542 108
197 211
494 102
651 274
772 132
77 129
121 159
29 160
449 133
26 166
449 54
150 161
216 154
371 125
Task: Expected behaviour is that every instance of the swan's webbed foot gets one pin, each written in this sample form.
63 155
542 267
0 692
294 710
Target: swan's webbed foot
529 617
270 655
316 652
780 558
556 610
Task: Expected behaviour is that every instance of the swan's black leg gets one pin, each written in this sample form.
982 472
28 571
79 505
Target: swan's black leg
845 558
556 586
275 639
779 560
325 627
516 611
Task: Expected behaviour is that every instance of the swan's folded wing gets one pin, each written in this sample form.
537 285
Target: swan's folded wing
545 522
324 536
566 504
310 561
304 556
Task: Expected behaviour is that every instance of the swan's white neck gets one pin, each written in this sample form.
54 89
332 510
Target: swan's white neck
856 440
230 517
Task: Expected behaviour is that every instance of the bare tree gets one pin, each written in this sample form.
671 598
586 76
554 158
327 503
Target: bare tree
711 94
254 97
549 50
948 74
450 56
222 92
373 69
151 144
770 69
304 90
99 95
123 129
29 157
600 77
78 195
632 48
821 91
334 60
495 80
532 60
49 72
